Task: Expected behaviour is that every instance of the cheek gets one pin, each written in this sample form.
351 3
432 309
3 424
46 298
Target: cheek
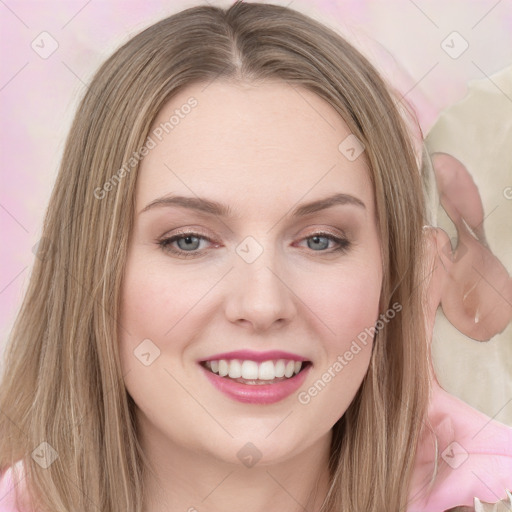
156 306
346 302
155 302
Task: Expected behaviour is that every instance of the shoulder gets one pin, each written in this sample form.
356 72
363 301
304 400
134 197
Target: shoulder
11 485
474 456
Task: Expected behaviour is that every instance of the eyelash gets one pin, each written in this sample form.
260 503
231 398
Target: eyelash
165 244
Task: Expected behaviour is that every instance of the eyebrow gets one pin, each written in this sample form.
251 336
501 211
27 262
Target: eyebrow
223 210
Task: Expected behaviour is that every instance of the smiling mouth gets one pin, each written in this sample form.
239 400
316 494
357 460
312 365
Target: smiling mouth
256 373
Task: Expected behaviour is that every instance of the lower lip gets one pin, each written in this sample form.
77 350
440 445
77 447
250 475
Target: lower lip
257 393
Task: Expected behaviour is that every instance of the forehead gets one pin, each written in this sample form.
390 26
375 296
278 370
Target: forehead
268 138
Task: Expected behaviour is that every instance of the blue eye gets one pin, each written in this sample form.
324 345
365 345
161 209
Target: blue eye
188 248
188 244
322 240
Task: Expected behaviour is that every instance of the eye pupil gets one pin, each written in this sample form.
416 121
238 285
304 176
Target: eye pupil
316 239
188 239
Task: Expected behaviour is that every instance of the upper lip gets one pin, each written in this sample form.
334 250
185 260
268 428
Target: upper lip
255 356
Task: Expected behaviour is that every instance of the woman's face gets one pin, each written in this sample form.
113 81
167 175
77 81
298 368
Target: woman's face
257 282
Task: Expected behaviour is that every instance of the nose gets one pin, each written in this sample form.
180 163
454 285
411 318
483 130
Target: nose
259 295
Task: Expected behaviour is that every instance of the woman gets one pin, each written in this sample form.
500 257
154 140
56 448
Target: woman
282 362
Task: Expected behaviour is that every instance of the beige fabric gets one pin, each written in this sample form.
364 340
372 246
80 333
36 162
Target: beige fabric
478 132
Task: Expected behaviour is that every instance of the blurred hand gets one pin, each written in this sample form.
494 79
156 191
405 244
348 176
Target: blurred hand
474 288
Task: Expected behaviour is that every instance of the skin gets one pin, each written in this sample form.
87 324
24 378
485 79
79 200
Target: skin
262 150
475 288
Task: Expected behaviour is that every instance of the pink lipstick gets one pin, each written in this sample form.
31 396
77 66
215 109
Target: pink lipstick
256 377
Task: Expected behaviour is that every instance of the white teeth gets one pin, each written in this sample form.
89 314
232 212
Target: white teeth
223 368
290 367
266 371
251 370
280 367
235 369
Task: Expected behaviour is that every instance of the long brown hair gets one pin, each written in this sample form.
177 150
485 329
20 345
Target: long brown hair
62 383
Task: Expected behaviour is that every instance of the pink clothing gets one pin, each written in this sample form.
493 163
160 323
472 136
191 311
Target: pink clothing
475 459
8 487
